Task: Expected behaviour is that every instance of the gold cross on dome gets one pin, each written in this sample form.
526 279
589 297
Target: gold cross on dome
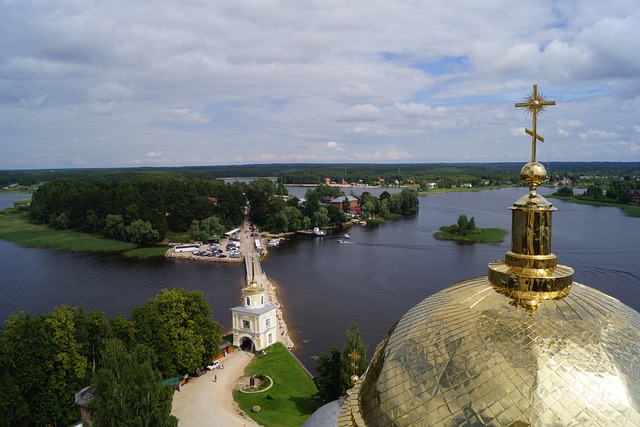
534 104
354 359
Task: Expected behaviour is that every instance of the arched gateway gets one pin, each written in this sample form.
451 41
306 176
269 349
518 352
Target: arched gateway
255 325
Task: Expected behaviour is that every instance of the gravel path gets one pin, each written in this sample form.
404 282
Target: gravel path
207 400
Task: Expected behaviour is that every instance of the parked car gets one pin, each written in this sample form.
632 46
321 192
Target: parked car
213 365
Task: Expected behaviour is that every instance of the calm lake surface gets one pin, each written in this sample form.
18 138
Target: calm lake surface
372 280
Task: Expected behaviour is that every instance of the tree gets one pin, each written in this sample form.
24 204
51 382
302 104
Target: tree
311 203
463 223
594 192
141 232
288 219
67 365
409 201
281 190
114 227
259 194
61 222
25 361
472 225
334 374
129 391
91 331
203 230
320 217
325 190
177 325
346 206
564 191
327 380
122 329
354 357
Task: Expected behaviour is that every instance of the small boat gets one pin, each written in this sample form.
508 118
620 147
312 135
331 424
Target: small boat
340 241
346 236
273 242
316 232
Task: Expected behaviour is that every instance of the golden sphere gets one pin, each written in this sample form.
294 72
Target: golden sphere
533 174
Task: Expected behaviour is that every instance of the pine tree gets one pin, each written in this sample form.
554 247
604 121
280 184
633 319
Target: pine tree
327 380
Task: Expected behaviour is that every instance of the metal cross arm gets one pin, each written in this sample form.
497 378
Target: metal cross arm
535 104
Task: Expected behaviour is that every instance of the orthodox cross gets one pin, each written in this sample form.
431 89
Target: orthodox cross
534 104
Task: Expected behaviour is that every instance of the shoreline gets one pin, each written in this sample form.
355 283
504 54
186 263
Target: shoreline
285 337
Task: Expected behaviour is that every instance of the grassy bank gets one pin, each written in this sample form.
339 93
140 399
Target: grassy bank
629 210
14 226
461 190
484 235
288 403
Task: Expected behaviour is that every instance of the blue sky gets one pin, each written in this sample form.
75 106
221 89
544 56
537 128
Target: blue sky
117 83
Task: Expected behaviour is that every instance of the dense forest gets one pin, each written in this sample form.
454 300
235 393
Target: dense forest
143 209
125 359
444 174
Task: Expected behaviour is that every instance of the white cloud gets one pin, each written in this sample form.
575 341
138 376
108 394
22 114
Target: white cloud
595 134
391 155
414 110
361 112
105 83
334 146
109 91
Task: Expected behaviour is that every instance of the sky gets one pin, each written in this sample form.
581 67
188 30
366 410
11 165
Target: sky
129 83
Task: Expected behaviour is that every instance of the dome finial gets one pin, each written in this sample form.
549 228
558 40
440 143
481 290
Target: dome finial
354 368
530 273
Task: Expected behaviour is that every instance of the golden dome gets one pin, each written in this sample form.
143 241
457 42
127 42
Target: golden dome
468 356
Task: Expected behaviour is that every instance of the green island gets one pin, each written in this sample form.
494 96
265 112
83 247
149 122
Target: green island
465 231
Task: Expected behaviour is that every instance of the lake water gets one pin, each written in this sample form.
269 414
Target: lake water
324 286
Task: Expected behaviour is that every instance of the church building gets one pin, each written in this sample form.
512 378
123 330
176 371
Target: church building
255 324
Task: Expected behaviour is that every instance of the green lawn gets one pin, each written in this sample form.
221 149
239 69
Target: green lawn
288 403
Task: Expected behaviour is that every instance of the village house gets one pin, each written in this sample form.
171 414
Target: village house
354 208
